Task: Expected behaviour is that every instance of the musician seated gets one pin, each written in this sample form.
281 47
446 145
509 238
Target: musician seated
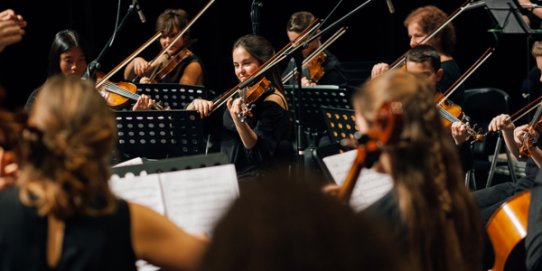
61 214
326 67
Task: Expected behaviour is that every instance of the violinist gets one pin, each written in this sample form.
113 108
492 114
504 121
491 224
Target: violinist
327 68
432 214
491 198
252 144
67 57
179 64
424 61
420 23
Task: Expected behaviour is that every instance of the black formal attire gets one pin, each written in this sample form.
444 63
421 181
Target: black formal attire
271 123
90 243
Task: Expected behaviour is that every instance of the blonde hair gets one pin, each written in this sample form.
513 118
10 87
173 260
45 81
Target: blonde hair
441 219
66 151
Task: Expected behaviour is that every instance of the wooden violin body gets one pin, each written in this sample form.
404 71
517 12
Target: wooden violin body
315 67
507 229
118 94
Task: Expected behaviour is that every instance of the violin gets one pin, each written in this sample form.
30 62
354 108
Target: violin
117 95
168 65
315 67
386 127
506 228
451 113
531 136
250 95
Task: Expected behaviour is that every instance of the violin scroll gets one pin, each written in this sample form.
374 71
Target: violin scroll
386 127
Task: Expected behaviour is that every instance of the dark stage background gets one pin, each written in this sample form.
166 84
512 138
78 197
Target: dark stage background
374 35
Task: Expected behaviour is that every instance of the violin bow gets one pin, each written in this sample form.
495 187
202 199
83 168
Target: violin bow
469 4
481 60
146 44
315 53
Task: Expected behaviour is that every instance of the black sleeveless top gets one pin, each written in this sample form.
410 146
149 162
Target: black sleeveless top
90 243
175 75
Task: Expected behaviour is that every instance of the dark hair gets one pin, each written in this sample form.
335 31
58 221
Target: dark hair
424 53
172 19
285 224
63 41
262 50
299 21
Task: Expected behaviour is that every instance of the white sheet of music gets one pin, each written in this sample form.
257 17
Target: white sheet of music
144 190
195 199
131 162
371 185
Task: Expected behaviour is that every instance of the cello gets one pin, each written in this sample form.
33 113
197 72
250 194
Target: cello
387 125
507 229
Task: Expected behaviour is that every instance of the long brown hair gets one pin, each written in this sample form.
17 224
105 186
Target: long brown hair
443 225
66 150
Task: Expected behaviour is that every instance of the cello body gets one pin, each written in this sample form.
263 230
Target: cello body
507 229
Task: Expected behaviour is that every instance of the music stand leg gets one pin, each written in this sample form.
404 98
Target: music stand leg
494 162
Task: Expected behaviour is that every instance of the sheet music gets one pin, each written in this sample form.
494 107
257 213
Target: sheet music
195 199
144 190
371 185
131 162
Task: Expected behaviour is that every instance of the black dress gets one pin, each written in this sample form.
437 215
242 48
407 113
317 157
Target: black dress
272 125
90 243
175 75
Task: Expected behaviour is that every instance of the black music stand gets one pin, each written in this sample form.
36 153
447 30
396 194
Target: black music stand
313 99
507 17
341 123
174 164
159 134
176 96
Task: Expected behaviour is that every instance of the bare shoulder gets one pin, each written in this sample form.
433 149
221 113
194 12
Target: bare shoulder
278 98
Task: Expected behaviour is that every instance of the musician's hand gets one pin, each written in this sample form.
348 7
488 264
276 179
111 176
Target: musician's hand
236 108
459 132
140 66
331 190
145 80
11 28
379 69
520 131
143 103
204 107
501 122
306 82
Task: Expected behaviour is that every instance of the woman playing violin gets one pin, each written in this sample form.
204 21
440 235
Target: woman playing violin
327 67
430 211
183 66
252 144
67 57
